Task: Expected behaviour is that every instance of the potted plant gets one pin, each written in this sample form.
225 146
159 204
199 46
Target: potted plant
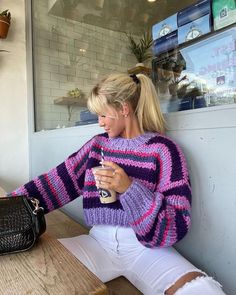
140 48
77 93
5 21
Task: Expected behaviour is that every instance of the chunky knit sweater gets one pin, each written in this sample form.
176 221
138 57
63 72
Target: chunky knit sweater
157 203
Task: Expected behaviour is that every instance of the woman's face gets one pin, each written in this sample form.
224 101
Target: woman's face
112 121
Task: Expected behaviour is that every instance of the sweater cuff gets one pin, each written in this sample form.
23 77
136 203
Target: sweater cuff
137 198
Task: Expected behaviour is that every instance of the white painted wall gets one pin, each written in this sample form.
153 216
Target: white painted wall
208 139
14 146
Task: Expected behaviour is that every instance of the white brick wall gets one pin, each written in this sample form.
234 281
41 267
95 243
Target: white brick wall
60 65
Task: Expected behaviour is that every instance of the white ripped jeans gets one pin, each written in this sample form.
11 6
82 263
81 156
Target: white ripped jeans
113 251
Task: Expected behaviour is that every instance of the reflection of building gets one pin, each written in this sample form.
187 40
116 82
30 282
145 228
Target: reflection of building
208 72
168 67
214 60
167 76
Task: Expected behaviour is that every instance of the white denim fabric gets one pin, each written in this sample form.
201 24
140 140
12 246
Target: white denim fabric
113 251
201 285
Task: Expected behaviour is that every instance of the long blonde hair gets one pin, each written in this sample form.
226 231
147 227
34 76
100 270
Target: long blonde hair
138 91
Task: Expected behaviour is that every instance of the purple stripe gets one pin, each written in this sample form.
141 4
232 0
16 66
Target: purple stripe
95 203
34 192
183 190
181 226
67 181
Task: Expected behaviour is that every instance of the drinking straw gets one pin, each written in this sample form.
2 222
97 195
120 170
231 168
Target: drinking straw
102 154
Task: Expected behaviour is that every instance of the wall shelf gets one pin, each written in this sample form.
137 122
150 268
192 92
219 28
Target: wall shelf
70 101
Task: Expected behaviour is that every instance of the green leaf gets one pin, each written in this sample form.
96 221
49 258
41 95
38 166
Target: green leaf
140 48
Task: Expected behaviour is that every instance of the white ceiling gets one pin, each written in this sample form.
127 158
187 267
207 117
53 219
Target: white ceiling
130 16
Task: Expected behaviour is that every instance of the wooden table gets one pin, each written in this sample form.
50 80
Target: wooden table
49 268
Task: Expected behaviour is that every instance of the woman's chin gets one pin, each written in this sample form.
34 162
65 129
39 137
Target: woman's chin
111 135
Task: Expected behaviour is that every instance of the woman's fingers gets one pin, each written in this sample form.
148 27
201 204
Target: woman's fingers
114 178
112 165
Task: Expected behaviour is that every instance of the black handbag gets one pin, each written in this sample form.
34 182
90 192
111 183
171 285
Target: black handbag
22 221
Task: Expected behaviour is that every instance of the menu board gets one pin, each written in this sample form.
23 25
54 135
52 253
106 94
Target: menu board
165 43
188 24
194 29
164 27
193 12
224 13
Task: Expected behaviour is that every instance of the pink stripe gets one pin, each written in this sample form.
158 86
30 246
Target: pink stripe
118 161
149 212
60 190
161 169
135 163
89 183
73 166
43 193
164 156
131 152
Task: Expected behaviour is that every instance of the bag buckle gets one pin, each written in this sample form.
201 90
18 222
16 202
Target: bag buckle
35 203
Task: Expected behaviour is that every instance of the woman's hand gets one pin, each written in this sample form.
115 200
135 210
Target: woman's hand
115 178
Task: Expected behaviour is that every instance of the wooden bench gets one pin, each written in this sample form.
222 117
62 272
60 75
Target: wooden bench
61 226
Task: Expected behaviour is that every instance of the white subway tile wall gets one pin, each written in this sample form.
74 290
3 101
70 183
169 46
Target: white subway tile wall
70 54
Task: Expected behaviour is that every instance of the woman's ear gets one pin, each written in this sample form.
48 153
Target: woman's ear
125 109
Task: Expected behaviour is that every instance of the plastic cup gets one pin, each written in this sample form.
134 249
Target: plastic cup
106 196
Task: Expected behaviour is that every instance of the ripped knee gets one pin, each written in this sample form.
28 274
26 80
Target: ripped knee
182 281
195 283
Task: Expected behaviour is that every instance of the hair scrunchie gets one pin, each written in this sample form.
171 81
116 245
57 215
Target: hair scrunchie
135 78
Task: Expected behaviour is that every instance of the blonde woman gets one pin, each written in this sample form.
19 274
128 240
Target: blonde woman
133 236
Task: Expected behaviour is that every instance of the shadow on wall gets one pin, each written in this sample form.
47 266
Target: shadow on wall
7 184
2 191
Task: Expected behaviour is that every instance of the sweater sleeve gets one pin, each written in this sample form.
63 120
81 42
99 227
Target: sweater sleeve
61 184
161 218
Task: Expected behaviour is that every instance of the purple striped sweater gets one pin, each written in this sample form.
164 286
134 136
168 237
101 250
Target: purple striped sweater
157 203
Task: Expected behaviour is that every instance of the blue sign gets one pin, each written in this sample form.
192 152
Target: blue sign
165 43
193 12
194 29
164 27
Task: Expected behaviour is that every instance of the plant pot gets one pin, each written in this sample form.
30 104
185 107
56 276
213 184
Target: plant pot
140 64
4 27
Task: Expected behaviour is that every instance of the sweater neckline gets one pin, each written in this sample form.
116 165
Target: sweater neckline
131 142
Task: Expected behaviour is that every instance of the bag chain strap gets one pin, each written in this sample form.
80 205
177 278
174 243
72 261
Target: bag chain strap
37 208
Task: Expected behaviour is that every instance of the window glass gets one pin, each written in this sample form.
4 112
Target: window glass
77 42
69 57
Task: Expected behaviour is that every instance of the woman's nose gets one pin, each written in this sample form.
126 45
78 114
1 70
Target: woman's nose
101 121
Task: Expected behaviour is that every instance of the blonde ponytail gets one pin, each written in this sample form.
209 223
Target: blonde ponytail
148 110
138 91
